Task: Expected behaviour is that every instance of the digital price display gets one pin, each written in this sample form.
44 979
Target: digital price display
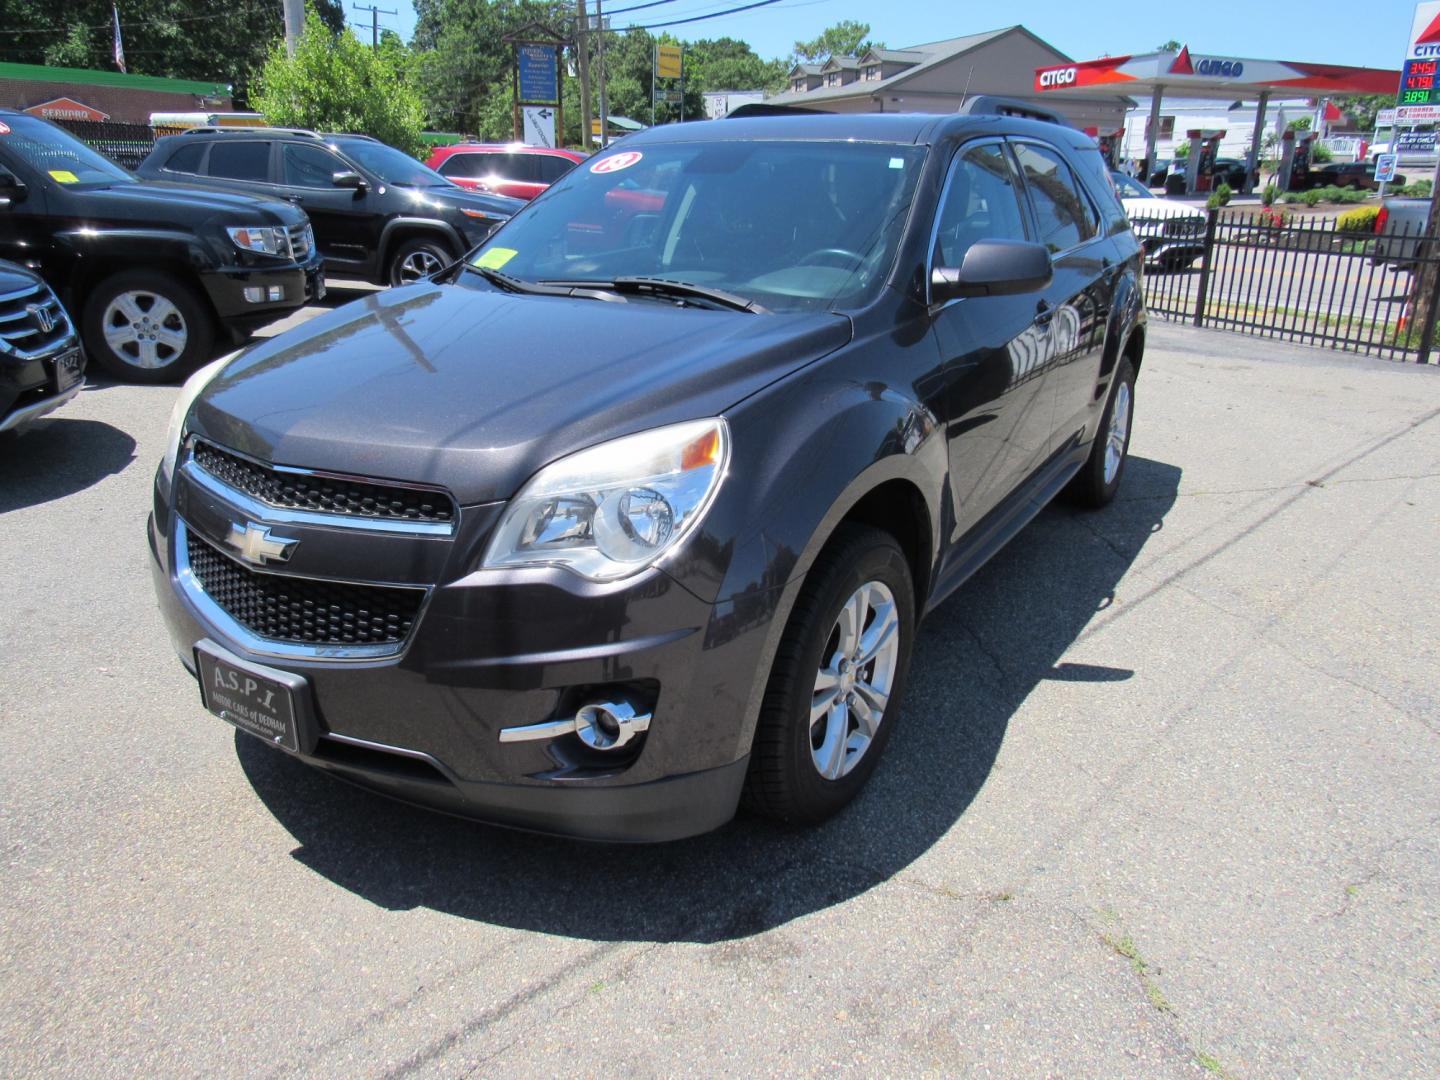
1417 83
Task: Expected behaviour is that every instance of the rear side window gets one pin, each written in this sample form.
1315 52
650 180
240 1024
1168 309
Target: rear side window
240 160
552 168
1064 216
523 167
186 159
982 202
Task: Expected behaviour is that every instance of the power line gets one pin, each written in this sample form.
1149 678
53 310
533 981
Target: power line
702 18
637 7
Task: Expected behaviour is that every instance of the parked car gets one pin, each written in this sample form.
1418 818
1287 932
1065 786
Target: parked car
1348 174
1229 171
1159 171
1172 233
156 273
513 169
590 541
1399 227
378 214
41 362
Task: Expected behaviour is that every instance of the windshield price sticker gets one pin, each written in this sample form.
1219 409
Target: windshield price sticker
495 258
65 176
616 162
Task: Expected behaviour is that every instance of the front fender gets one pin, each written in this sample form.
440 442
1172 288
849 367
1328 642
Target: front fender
398 225
78 250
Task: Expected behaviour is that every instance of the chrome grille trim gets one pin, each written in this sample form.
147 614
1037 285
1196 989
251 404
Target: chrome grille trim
281 515
20 324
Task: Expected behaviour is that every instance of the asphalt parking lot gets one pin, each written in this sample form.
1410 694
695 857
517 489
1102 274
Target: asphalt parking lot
1165 801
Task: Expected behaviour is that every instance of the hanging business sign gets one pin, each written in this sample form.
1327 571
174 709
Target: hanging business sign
538 81
668 60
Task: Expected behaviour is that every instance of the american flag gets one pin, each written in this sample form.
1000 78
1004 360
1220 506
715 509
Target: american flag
119 48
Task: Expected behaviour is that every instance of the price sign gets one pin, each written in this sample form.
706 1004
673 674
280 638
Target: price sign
1385 168
1417 83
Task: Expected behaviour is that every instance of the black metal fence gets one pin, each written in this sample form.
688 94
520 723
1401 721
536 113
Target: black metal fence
124 144
1301 279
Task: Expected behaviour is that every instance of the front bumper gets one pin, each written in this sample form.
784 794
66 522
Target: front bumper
28 387
497 650
300 283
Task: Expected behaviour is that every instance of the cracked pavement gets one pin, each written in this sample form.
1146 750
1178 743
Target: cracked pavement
1164 802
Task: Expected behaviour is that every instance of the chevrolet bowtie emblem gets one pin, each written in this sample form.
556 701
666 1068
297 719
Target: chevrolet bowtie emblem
256 544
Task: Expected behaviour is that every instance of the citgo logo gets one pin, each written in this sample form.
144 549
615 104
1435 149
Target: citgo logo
1057 77
1226 69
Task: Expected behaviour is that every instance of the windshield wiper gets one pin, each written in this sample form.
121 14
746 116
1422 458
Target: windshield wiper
681 290
518 285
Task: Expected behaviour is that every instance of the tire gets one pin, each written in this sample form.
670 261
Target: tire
797 774
416 259
1099 478
146 326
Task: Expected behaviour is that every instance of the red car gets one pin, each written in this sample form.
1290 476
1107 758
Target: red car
512 169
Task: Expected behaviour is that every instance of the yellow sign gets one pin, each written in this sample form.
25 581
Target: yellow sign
65 176
494 258
667 61
595 128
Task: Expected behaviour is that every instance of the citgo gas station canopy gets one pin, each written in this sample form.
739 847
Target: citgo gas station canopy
1187 74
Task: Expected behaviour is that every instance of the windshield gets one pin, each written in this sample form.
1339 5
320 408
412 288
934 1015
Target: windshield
57 155
391 165
1129 187
789 225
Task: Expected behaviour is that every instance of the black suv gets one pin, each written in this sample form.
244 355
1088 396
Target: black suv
378 214
41 364
640 506
155 272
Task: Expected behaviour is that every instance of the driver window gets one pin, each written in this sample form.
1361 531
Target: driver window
308 166
981 203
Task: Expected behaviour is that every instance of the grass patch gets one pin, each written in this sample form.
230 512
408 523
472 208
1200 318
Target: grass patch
1126 947
1210 1064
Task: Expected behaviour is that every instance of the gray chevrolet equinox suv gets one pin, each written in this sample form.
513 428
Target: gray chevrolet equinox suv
635 512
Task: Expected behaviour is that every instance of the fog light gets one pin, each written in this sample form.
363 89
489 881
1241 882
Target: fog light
254 294
258 294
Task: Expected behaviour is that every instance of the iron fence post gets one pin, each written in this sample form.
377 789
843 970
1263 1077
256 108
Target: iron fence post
1427 332
1211 216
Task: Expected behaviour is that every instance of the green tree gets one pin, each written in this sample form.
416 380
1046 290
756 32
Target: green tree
224 43
334 83
1363 107
1169 46
728 64
845 38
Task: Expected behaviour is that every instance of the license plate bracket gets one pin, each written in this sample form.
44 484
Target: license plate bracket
69 370
272 705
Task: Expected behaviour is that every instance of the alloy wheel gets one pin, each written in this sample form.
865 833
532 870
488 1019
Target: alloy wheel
1119 432
417 265
855 680
145 329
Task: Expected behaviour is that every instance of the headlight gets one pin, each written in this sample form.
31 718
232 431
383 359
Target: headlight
178 415
272 241
612 510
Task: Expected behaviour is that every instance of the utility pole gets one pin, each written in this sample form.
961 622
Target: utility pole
294 23
582 64
375 13
604 102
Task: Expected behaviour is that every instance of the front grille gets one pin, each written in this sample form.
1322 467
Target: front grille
32 322
323 494
301 241
303 611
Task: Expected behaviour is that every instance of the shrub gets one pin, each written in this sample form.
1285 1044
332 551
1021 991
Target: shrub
1419 189
1312 197
1267 197
1219 197
1361 220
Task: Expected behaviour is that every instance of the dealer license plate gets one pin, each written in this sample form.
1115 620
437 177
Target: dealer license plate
68 370
262 701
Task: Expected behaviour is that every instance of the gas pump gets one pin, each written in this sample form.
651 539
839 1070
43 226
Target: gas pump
1200 168
1110 145
1295 150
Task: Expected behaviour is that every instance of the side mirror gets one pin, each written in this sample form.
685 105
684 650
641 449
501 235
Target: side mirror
352 180
12 188
993 268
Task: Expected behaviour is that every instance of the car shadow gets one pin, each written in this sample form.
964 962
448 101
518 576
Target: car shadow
977 658
57 457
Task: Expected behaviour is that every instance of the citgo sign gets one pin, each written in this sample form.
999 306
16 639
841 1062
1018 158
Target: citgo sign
1048 80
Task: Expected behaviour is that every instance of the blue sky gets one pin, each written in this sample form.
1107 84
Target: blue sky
1371 34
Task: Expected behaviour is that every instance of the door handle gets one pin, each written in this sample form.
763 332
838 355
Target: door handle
295 198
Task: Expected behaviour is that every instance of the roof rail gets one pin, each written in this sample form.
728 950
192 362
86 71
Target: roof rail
994 105
760 108
346 135
212 129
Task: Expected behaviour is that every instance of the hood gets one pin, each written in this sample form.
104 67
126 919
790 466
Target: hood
457 198
475 389
183 204
1137 209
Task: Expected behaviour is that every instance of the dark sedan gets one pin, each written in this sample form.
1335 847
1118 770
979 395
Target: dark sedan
603 528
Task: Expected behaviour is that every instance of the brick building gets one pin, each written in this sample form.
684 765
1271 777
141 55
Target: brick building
58 93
